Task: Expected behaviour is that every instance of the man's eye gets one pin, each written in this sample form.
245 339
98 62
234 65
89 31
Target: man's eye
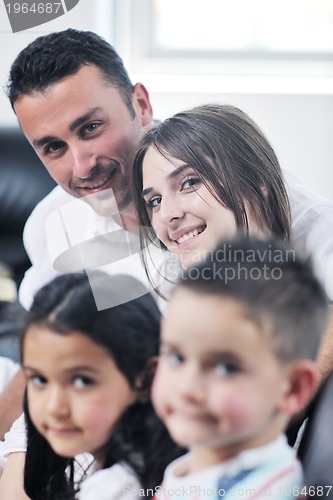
91 127
54 147
81 382
153 202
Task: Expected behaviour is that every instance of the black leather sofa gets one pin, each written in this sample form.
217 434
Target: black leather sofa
24 181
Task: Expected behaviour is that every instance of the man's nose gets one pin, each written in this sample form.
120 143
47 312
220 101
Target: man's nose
83 160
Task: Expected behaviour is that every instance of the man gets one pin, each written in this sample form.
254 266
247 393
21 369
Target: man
79 110
86 146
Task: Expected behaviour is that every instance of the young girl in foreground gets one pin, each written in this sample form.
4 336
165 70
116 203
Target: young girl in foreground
88 390
238 345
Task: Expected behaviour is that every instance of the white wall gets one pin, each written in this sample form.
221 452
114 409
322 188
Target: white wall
299 123
300 127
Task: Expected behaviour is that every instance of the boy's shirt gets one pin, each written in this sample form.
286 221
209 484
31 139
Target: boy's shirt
271 471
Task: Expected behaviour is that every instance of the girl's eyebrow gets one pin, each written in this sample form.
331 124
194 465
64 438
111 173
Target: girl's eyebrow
72 369
172 175
82 369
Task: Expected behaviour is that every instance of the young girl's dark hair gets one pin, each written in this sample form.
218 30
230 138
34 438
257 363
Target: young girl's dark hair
130 333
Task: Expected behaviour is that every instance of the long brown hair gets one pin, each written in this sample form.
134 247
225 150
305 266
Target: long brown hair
232 157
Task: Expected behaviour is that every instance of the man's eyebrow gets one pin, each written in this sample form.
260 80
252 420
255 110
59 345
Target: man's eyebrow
84 118
38 143
47 139
172 174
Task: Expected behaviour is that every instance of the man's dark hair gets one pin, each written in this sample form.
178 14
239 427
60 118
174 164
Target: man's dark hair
57 55
277 288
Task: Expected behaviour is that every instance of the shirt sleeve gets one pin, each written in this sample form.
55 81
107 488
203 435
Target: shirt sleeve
16 438
8 368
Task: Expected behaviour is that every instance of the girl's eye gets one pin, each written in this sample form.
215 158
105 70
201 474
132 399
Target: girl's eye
153 202
37 380
225 368
172 357
190 182
81 382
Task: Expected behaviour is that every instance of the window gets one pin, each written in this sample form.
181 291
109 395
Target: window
233 38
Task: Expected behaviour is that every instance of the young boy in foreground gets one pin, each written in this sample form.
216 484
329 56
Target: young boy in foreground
237 360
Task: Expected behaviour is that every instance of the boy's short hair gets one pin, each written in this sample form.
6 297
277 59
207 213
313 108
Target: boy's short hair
54 56
277 288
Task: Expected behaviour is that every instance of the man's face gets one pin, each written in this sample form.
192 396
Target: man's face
85 134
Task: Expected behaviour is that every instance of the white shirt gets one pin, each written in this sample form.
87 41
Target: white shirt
275 472
113 483
312 228
64 234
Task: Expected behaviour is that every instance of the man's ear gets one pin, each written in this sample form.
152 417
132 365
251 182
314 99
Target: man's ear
144 381
304 380
142 106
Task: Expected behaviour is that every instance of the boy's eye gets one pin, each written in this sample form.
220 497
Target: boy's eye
153 202
226 368
81 382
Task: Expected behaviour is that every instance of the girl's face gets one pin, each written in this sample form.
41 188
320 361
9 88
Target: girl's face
186 217
76 393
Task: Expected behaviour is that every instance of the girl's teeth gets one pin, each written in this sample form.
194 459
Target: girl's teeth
187 236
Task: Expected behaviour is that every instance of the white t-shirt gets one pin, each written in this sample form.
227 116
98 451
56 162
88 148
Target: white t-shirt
312 227
271 471
64 234
113 483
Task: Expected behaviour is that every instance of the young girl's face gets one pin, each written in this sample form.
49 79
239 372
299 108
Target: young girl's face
218 385
185 215
76 393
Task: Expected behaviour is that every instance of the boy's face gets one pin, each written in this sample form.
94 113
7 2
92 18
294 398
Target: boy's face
218 384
